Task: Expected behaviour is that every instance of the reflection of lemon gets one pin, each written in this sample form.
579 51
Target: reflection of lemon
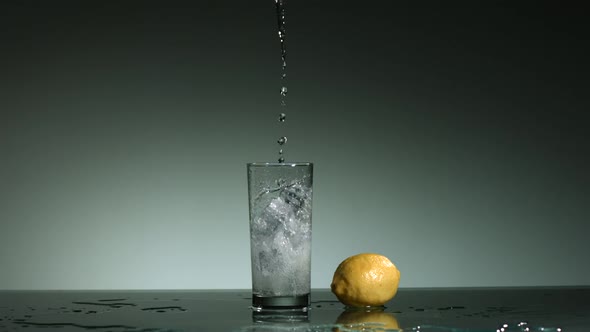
368 319
365 280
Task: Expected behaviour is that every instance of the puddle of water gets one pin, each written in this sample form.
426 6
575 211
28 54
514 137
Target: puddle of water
77 315
144 313
115 305
382 327
24 323
165 309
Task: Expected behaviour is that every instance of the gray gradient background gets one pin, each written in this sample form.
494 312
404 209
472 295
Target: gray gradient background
450 137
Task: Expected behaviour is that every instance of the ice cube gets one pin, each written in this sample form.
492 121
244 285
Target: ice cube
281 232
294 196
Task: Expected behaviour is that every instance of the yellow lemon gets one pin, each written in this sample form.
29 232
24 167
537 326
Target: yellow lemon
365 280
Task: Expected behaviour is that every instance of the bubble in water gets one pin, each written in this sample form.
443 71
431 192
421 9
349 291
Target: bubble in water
284 75
282 117
282 140
281 151
281 160
284 91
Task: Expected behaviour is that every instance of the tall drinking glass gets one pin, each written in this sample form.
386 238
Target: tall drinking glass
280 196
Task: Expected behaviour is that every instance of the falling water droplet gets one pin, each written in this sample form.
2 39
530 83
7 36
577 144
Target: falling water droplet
280 9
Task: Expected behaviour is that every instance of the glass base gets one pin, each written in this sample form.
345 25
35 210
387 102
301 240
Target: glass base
280 303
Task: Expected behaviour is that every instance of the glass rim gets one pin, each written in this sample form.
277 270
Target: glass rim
277 164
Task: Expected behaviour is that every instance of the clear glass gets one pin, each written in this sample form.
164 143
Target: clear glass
280 201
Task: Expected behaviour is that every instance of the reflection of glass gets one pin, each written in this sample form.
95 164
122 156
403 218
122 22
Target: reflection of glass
291 317
366 319
270 322
280 196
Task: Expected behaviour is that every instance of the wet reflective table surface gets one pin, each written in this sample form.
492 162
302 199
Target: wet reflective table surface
564 309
